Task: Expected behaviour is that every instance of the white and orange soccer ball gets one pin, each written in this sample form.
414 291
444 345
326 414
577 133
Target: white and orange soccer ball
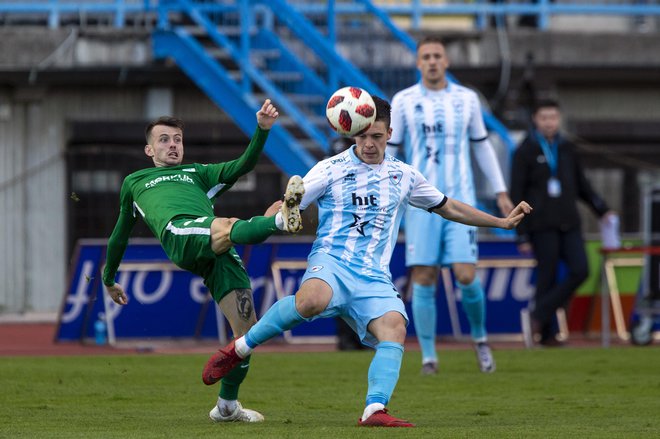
350 111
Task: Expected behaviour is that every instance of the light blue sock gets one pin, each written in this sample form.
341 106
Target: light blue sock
424 316
474 305
281 317
384 372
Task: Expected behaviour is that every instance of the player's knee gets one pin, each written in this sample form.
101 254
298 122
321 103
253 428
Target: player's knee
220 234
424 275
313 297
465 278
398 321
399 330
390 327
309 306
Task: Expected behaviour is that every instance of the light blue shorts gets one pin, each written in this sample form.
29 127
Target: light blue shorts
355 298
434 241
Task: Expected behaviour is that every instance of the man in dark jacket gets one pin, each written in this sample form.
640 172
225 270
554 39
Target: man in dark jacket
546 172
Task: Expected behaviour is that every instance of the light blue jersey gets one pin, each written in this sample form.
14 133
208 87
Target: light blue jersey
361 206
435 129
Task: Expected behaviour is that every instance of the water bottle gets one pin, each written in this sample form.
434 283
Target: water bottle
100 330
610 234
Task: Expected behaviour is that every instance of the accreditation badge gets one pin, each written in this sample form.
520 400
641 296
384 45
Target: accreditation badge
554 187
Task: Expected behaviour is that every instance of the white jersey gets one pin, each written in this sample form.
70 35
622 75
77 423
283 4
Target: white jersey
435 130
361 205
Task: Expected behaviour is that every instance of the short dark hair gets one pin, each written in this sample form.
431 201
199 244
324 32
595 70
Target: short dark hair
163 120
545 103
383 110
430 39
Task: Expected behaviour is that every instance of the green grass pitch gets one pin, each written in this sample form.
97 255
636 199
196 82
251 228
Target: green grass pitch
561 393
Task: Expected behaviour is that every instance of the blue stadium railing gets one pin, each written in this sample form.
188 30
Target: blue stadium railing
415 10
481 10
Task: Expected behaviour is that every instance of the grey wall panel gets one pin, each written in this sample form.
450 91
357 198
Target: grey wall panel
96 103
33 187
45 213
192 104
12 214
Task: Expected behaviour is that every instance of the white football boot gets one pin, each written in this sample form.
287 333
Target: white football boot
484 357
239 415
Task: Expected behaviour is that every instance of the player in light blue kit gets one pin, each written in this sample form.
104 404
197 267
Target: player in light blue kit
436 125
362 194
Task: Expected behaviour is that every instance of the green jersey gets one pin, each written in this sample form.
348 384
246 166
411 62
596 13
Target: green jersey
162 194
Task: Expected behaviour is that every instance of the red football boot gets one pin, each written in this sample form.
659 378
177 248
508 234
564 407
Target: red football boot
220 364
380 418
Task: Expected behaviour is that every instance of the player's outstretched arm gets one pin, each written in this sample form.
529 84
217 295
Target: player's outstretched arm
460 212
234 169
267 115
116 292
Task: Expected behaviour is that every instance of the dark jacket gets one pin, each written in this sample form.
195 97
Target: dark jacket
529 181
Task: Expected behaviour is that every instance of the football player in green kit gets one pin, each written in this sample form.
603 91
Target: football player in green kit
176 202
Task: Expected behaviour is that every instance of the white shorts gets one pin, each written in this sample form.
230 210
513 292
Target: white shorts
355 298
434 241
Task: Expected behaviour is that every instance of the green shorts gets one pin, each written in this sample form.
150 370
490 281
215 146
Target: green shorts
187 242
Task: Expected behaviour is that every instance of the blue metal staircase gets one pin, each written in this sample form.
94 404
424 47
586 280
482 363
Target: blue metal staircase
233 53
284 150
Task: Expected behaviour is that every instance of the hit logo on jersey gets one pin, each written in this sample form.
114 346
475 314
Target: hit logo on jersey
350 111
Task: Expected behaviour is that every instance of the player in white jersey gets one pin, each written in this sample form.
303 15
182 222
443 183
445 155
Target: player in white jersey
435 126
362 194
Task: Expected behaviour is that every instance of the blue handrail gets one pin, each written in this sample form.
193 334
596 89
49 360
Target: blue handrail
54 9
416 10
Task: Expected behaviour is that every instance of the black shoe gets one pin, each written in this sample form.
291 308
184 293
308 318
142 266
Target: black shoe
552 342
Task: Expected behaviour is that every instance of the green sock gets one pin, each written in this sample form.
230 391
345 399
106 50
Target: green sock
252 231
232 381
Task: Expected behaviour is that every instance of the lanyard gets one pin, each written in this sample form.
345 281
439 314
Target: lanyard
550 150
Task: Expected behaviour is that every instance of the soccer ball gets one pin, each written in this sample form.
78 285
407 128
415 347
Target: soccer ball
350 111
